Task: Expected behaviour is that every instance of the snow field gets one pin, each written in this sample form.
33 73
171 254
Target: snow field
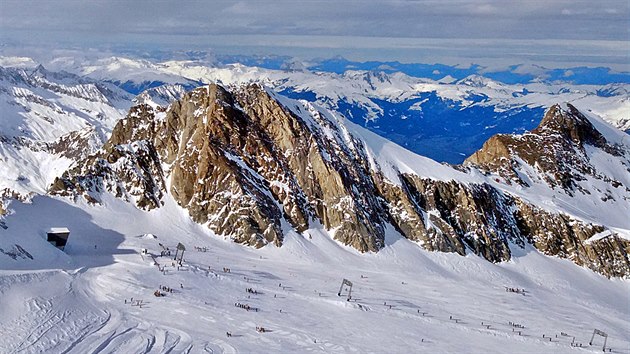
75 302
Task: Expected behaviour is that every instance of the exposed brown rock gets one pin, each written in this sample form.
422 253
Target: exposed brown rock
242 163
562 236
76 145
555 149
241 167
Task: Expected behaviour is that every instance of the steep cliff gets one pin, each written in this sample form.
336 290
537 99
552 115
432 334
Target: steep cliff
251 166
239 162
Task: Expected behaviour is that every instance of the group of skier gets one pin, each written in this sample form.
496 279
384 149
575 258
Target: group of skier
513 324
166 289
245 306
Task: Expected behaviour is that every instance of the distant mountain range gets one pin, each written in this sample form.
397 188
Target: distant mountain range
445 115
510 74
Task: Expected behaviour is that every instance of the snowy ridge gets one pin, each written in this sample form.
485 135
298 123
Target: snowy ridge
405 298
274 164
360 86
600 196
39 108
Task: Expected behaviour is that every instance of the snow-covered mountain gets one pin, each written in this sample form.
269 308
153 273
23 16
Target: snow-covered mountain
63 118
251 164
260 158
48 120
443 119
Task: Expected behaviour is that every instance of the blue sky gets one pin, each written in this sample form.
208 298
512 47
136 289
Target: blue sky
491 32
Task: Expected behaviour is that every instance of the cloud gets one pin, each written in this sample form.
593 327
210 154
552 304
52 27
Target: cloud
486 9
572 12
320 23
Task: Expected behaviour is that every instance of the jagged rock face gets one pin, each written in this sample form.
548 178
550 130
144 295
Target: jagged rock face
130 171
475 215
571 125
557 152
249 168
334 180
562 236
450 216
76 145
556 149
208 175
240 163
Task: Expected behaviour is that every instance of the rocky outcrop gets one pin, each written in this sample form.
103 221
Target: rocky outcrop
76 145
250 168
240 163
556 154
562 236
555 149
326 173
476 215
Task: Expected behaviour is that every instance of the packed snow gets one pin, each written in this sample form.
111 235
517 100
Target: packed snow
404 299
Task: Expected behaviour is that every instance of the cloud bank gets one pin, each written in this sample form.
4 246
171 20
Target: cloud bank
588 32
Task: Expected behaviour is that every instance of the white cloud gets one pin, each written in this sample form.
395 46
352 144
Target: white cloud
485 9
572 12
490 28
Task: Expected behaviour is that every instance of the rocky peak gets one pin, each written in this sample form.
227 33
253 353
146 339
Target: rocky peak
570 123
39 71
556 149
251 168
241 162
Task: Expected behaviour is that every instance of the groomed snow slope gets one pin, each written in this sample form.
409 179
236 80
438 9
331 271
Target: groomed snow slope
75 301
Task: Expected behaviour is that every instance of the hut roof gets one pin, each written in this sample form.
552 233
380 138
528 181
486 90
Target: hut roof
59 230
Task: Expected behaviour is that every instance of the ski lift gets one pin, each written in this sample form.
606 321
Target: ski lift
348 283
179 253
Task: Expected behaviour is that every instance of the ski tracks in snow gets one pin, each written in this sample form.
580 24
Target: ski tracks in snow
65 318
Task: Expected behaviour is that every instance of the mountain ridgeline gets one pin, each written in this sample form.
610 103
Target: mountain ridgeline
252 165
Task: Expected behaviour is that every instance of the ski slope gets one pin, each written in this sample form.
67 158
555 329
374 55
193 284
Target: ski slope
79 301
